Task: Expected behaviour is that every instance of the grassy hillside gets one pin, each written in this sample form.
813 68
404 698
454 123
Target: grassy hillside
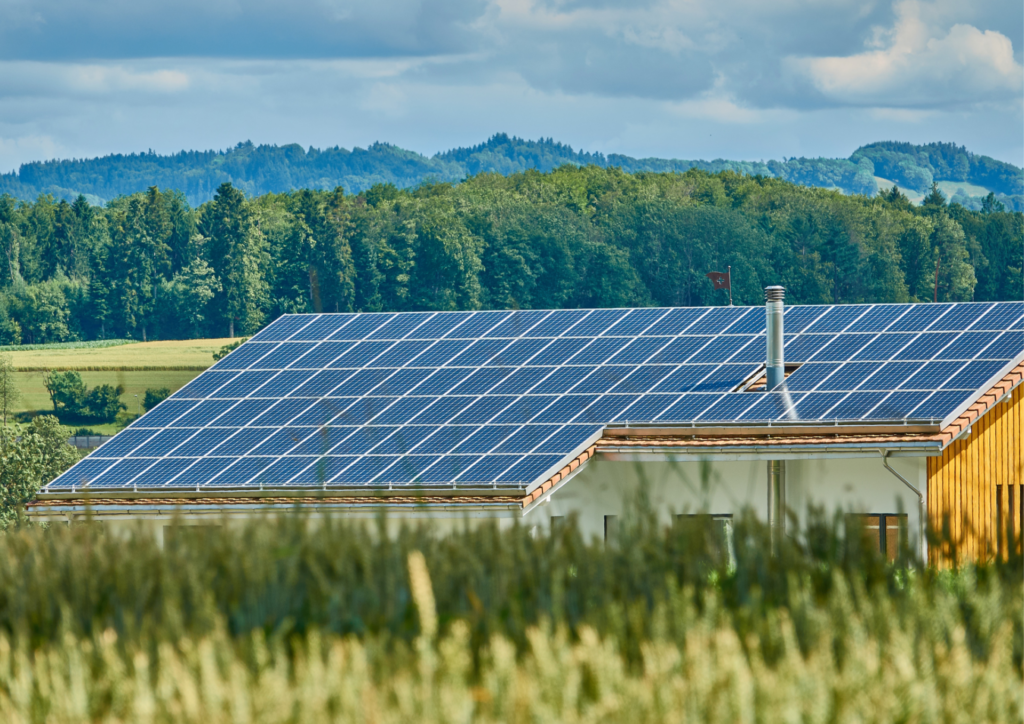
275 169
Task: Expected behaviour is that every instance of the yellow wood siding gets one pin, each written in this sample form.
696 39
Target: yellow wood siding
977 479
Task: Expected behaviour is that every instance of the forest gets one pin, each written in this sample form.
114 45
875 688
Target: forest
150 266
967 177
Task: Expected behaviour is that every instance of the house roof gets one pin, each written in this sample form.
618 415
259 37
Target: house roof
501 401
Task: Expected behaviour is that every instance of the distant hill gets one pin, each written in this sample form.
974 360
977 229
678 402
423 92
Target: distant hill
962 175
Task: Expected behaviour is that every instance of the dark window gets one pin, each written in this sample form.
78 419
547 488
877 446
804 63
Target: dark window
713 530
887 532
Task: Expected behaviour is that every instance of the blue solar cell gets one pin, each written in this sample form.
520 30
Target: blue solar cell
686 409
940 405
403 439
720 319
837 319
679 350
848 377
243 441
884 347
772 406
561 380
751 323
603 379
316 414
445 440
521 380
361 382
402 382
441 353
283 355
121 474
449 469
558 323
816 405
523 409
599 351
721 349
558 352
361 440
279 472
363 410
527 438
400 326
123 443
639 350
756 351
896 406
677 321
203 441
282 384
204 384
725 378
891 375
285 411
518 352
932 375
403 410
487 470
204 413
200 473
401 353
244 356
361 354
516 324
283 440
803 348
843 347
243 413
684 379
242 472
730 407
606 408
321 383
565 408
967 346
644 379
598 321
323 327
322 355
361 326
808 376
243 384
443 410
80 475
919 317
1001 317
960 317
283 328
483 409
322 470
442 325
442 381
856 405
482 380
797 319
486 438
926 346
162 472
530 469
364 470
878 318
478 325
974 375
647 408
638 321
480 352
322 441
1007 346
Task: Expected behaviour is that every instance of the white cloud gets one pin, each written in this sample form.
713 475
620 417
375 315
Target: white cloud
18 78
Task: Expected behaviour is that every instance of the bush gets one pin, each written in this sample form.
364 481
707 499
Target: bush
103 402
154 397
73 400
30 456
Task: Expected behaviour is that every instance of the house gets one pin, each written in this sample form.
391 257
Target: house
901 414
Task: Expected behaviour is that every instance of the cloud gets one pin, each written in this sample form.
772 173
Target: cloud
915 65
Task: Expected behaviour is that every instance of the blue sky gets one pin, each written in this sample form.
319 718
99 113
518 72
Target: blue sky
741 79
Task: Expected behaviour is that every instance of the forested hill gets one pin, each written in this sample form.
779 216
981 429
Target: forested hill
962 176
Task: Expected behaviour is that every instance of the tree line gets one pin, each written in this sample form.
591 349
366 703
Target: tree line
149 266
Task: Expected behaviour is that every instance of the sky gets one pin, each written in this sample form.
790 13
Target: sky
736 79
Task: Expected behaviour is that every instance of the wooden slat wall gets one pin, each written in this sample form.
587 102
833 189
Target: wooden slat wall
964 481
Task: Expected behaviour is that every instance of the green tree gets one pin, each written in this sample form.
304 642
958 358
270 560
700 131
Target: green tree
102 403
30 457
154 396
9 393
67 391
956 275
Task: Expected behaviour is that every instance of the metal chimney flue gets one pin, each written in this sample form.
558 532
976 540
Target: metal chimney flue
774 309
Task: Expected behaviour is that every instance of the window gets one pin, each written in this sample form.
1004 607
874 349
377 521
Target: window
715 529
887 532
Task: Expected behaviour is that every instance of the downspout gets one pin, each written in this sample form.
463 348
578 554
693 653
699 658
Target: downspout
921 512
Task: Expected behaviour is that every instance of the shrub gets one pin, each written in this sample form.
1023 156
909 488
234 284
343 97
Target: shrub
73 400
103 402
154 397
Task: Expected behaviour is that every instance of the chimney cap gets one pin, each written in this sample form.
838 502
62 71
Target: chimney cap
774 294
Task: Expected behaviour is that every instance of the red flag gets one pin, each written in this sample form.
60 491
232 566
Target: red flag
720 280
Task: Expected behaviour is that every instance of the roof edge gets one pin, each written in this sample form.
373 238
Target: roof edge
984 402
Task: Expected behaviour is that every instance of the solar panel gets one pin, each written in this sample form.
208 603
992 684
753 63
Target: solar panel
498 398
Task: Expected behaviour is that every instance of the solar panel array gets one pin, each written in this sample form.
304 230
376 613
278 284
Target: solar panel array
503 398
